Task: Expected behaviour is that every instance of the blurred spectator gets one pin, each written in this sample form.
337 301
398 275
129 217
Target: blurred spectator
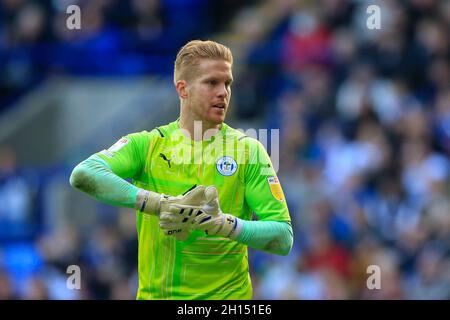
430 281
17 192
6 287
321 253
36 290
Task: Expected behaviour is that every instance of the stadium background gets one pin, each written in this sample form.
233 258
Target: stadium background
364 118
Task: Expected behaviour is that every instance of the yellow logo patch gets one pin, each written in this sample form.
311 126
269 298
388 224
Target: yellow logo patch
275 188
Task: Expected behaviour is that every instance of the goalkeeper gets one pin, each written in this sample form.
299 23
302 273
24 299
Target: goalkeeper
194 197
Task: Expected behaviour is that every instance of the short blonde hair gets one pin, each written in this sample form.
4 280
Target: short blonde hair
190 54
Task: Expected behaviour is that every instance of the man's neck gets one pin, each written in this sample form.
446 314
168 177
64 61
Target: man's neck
198 129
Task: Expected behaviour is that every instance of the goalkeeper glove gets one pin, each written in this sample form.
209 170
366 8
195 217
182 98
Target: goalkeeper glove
213 221
178 208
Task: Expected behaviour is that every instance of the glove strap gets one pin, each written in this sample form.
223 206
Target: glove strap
231 231
148 201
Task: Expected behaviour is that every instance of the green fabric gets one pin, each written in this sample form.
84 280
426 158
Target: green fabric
95 177
271 236
166 161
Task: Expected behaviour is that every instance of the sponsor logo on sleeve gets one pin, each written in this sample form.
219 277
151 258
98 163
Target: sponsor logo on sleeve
107 153
275 188
118 145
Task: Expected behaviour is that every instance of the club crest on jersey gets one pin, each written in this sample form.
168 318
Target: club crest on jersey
226 166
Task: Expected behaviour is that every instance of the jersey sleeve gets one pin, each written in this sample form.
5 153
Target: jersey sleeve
126 157
263 192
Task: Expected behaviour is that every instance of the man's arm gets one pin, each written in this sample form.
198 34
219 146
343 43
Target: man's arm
103 175
95 177
264 195
271 236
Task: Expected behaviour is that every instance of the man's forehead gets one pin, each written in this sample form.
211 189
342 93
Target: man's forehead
212 67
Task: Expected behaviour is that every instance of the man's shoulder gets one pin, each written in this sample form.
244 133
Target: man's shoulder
165 130
141 135
240 136
160 131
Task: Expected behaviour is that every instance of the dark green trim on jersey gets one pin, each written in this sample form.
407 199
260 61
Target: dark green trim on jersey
162 135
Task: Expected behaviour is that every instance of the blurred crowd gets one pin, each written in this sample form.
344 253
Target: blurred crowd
364 118
116 38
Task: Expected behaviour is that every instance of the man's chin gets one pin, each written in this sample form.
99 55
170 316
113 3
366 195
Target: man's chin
215 121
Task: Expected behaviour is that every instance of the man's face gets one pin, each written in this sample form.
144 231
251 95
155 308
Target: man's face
209 91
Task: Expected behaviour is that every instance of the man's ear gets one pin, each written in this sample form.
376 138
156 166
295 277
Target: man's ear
181 89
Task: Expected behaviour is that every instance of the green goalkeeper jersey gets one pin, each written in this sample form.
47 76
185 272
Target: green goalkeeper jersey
166 161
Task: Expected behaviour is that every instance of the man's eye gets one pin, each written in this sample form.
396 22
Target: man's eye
212 82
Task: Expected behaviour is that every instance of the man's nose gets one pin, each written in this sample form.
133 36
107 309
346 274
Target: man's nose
223 92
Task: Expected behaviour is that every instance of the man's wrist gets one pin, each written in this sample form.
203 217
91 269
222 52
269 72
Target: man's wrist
148 201
232 226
